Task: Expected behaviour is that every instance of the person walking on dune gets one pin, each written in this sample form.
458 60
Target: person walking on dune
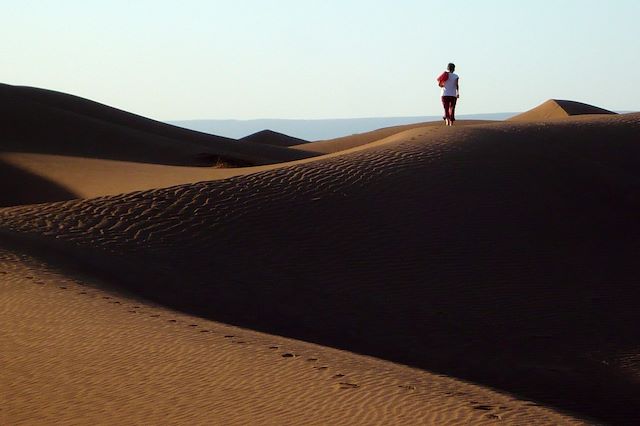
449 81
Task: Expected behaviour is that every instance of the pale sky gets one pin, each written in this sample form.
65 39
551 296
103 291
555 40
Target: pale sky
245 59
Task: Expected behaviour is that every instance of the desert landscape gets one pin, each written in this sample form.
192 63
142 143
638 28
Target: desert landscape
419 274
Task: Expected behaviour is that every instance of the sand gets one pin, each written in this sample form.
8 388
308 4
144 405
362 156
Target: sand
360 139
559 109
78 354
442 275
47 122
270 137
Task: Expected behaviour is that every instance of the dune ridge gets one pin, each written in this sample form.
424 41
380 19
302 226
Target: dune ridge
479 252
270 137
557 108
69 125
360 139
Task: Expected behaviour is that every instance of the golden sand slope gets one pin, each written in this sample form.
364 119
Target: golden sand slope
58 178
347 142
504 254
74 354
555 109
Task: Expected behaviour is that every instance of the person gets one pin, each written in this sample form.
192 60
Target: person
450 83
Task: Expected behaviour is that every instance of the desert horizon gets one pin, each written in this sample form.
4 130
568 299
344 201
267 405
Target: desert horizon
411 274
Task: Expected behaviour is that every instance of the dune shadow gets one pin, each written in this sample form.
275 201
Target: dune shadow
19 187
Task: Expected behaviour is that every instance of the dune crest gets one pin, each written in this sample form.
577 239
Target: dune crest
347 142
269 137
48 122
556 108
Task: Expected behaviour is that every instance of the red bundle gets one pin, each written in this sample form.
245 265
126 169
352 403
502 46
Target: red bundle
442 78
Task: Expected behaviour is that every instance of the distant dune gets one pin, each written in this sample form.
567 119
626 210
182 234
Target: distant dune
47 122
269 137
554 108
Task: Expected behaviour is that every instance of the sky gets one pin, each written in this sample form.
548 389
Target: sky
247 59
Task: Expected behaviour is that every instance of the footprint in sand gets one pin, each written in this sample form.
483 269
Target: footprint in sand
62 288
173 320
483 407
337 376
229 336
274 347
312 359
346 385
288 355
407 387
324 367
82 292
155 316
204 331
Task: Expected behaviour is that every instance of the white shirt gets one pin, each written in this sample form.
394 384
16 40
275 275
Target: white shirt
451 85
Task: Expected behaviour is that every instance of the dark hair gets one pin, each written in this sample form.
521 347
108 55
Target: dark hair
451 67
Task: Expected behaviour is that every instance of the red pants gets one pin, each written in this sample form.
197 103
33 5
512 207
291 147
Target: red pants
449 104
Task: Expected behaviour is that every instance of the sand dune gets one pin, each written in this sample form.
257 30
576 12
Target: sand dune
46 177
347 142
555 108
270 137
109 359
68 125
504 254
39 178
88 169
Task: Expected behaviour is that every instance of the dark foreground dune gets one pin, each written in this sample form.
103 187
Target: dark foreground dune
74 352
504 254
